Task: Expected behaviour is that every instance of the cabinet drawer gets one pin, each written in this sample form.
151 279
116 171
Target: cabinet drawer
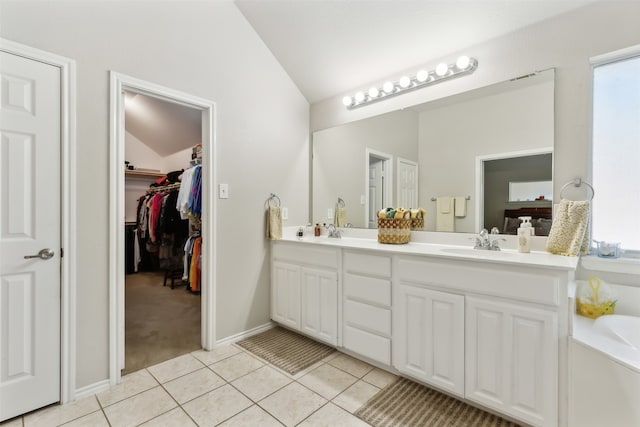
370 345
368 317
305 254
369 289
373 265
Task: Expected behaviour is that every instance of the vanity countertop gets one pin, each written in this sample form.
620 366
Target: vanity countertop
505 256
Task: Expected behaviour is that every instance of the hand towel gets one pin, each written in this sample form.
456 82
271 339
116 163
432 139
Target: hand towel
340 217
569 234
444 214
460 206
274 223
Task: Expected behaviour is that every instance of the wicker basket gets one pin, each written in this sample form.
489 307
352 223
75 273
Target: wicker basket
417 223
395 231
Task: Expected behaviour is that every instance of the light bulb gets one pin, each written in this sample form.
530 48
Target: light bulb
422 76
359 97
347 101
388 87
374 92
463 62
404 82
442 69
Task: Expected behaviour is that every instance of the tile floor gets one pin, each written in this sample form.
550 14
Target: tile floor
229 387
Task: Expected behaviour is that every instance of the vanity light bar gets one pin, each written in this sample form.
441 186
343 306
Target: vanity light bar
423 78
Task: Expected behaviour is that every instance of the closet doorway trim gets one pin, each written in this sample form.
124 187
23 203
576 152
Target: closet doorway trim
119 84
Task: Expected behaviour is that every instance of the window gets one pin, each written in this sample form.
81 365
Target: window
616 151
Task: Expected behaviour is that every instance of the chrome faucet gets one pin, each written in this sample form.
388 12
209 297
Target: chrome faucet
334 232
484 242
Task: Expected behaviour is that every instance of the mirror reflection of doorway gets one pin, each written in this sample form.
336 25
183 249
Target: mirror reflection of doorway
379 184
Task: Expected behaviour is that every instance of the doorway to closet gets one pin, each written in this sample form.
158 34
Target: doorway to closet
135 142
163 193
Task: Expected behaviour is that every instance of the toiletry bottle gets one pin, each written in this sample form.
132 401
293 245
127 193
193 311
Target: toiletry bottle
300 233
316 230
524 235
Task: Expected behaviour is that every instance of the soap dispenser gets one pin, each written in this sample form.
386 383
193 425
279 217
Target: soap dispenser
525 231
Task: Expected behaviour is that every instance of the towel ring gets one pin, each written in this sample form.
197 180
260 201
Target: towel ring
577 183
341 203
274 198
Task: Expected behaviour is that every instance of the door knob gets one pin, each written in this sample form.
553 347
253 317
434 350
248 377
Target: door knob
43 254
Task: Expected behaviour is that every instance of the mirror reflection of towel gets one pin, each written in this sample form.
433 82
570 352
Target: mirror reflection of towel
340 217
274 223
444 214
569 234
460 206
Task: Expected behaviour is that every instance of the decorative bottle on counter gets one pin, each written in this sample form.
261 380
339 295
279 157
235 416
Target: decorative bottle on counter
316 230
525 231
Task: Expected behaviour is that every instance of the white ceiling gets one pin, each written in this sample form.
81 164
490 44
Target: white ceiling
163 126
329 47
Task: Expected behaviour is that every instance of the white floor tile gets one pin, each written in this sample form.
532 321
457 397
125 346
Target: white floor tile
216 406
95 419
355 367
292 404
131 384
217 354
327 381
261 383
254 416
140 408
174 368
380 378
236 366
355 396
330 416
60 414
174 418
192 385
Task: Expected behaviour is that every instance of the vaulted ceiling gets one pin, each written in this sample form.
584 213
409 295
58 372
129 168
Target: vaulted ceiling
329 47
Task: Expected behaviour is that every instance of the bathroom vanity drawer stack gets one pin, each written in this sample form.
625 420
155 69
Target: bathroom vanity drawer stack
367 305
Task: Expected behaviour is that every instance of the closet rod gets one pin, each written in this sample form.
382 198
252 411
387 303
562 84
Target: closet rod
164 188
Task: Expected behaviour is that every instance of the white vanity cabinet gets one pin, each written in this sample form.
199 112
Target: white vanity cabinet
512 359
507 319
428 337
367 305
304 289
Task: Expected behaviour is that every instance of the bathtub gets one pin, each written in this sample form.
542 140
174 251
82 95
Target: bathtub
604 371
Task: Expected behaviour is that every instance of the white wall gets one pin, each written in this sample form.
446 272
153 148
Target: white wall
262 125
565 42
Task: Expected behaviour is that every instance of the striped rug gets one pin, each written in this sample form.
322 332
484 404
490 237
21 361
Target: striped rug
406 403
287 350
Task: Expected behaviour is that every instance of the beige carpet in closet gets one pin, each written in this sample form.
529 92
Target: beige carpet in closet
160 323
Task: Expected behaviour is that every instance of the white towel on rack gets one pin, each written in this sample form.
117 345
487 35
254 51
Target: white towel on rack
460 206
444 214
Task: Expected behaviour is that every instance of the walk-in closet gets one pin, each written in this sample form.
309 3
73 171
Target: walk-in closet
163 210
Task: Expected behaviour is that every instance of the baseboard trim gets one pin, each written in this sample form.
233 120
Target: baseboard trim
92 389
246 334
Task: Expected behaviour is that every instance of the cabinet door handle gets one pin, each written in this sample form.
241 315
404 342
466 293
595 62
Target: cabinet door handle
43 254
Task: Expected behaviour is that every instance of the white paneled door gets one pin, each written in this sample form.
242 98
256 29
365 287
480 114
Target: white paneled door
29 235
407 183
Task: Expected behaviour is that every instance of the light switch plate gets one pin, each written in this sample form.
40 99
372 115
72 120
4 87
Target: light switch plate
362 202
285 213
223 192
329 213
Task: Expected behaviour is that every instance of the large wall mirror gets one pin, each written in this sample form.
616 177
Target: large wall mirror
454 157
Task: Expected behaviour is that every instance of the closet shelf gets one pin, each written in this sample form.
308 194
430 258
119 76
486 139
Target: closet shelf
142 174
